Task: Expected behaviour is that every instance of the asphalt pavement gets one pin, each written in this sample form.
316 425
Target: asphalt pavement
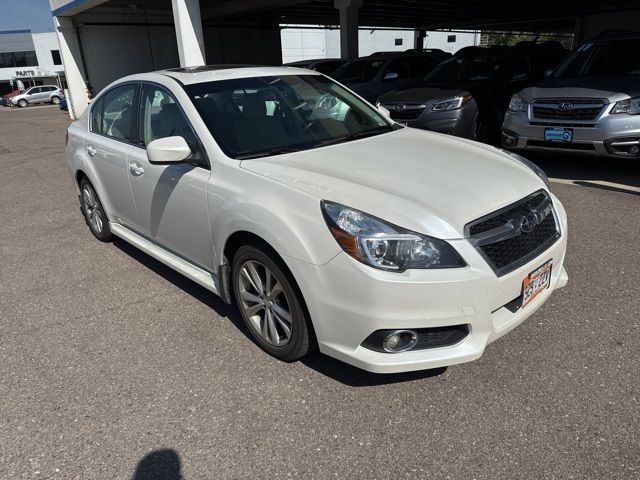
112 366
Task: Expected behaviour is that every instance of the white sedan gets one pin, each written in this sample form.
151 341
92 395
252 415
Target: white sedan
328 225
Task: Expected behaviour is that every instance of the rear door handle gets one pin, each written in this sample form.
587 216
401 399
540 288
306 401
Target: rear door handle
91 151
135 169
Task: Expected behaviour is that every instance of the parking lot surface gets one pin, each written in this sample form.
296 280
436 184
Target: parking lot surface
113 366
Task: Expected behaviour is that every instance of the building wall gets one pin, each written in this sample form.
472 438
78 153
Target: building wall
301 44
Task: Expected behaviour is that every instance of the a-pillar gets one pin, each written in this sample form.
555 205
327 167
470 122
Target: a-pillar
72 61
188 23
348 27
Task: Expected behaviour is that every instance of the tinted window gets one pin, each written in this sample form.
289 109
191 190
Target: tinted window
328 67
358 71
55 56
616 58
161 117
253 117
471 68
420 66
18 59
112 115
35 90
399 66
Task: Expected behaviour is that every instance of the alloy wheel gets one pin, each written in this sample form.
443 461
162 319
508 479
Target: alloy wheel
264 303
92 209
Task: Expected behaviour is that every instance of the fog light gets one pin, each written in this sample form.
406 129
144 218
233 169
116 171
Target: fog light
400 341
634 150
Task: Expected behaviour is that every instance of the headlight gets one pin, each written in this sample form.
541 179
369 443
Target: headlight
536 169
382 245
517 104
630 106
451 104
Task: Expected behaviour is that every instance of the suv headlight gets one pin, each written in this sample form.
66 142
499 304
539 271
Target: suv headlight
517 104
630 106
451 104
528 163
382 245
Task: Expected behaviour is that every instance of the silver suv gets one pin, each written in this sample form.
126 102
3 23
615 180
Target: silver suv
41 94
590 104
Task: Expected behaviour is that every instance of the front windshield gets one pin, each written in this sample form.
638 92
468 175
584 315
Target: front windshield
358 71
262 116
616 58
469 68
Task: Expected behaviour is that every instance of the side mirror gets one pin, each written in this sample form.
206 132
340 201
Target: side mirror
384 111
548 72
168 150
391 76
520 76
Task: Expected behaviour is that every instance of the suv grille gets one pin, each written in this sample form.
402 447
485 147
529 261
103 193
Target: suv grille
515 234
568 109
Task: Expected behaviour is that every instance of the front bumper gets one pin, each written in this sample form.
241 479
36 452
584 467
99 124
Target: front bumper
608 135
348 301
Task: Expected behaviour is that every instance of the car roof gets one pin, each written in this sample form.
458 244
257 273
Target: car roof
212 73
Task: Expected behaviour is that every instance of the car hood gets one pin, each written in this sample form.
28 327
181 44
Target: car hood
427 92
424 181
611 88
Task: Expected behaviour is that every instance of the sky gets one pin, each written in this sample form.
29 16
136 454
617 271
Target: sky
34 15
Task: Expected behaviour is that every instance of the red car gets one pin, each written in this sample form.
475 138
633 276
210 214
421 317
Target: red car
6 99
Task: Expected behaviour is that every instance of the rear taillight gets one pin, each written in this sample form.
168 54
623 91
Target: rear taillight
66 138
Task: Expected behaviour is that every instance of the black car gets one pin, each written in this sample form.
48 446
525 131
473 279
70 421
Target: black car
322 65
375 75
468 94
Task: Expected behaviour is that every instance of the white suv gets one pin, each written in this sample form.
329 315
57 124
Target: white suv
328 225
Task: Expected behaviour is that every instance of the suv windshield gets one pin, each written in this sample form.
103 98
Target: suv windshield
470 68
615 58
358 71
262 116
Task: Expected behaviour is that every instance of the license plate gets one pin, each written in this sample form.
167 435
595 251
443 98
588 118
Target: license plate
536 282
564 135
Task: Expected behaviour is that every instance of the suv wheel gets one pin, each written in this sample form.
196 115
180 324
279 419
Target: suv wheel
22 103
270 303
93 212
55 100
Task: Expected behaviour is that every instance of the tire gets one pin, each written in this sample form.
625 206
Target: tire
265 312
55 100
94 213
22 103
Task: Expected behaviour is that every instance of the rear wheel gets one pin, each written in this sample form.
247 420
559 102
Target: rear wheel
270 303
93 212
55 100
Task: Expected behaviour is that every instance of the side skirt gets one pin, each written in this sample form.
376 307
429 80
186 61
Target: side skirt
202 277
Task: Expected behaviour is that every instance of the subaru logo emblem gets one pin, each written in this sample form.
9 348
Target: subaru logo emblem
529 222
565 106
399 107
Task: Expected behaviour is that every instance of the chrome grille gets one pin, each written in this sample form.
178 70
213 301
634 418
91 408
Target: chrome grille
515 234
567 109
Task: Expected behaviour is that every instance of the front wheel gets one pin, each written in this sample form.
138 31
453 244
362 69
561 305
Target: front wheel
94 213
22 103
270 303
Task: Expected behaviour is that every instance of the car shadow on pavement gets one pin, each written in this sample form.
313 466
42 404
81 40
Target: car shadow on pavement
356 377
328 366
585 170
159 465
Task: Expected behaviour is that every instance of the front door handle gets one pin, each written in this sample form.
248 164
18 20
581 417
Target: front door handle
135 169
91 151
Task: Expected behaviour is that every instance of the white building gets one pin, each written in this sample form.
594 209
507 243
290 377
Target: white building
309 43
29 58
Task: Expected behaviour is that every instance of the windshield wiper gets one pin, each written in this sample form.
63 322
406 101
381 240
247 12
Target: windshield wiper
355 136
268 153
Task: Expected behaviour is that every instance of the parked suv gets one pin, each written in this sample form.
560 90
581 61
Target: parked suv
375 75
41 94
468 94
326 223
322 65
589 105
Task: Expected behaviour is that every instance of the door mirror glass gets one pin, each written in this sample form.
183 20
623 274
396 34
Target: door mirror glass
168 150
548 72
391 76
